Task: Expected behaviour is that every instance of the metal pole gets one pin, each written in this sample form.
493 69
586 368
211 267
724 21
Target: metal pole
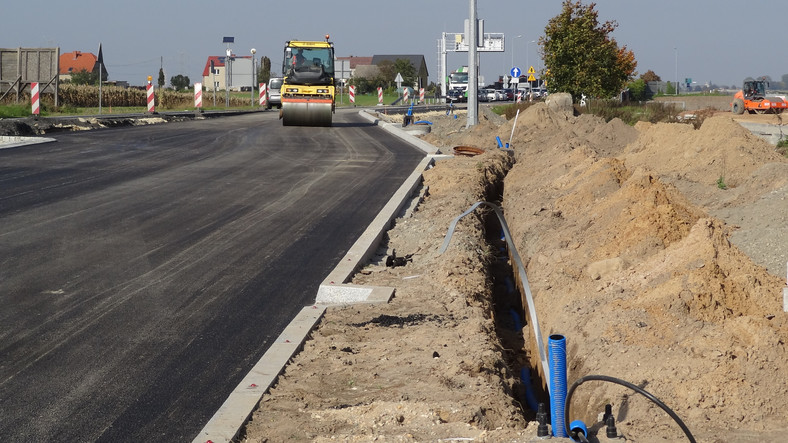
473 81
252 90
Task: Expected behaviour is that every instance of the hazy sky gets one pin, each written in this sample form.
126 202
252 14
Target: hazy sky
718 41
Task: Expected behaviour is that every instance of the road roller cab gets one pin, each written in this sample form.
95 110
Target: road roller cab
307 92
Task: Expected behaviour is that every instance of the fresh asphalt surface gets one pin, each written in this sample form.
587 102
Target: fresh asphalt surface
144 270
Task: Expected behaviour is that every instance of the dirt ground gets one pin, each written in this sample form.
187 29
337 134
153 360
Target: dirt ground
653 272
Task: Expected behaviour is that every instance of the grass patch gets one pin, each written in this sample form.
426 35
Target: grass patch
12 111
782 147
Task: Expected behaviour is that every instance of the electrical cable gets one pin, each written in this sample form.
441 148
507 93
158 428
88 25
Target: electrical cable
629 385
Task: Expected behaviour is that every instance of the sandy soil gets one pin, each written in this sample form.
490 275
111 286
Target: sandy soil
634 252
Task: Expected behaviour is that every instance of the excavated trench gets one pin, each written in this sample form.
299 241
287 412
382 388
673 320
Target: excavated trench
509 310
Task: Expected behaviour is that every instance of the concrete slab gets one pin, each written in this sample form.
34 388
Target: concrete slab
15 141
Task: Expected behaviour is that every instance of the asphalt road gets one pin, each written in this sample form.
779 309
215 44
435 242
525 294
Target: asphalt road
144 270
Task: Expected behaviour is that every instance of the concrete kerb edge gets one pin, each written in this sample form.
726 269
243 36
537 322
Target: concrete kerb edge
236 410
15 141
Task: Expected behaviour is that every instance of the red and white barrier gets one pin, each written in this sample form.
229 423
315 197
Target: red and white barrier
405 94
519 96
421 95
151 107
263 94
35 98
380 95
198 95
351 90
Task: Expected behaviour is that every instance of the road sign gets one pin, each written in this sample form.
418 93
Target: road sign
531 78
399 80
531 70
516 71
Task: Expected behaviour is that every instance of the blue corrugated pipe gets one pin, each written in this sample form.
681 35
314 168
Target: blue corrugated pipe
557 357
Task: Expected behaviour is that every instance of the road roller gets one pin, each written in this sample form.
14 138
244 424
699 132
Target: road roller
308 86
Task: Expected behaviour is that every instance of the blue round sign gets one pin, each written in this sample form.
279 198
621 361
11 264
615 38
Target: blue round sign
516 72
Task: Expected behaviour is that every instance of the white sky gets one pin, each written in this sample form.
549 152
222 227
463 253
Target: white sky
717 41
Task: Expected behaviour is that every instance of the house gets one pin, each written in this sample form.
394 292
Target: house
417 61
77 61
240 72
353 62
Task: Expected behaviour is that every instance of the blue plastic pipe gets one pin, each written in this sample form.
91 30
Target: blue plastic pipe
530 397
556 350
578 427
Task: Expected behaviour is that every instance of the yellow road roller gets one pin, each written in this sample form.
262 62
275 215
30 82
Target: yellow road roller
308 86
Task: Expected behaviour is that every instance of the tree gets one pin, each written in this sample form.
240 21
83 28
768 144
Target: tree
83 77
650 76
264 71
638 89
180 82
408 72
580 56
387 73
161 78
670 89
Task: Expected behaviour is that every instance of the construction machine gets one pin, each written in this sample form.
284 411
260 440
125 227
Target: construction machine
308 85
752 98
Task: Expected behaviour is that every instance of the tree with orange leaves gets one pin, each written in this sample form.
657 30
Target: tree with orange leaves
581 57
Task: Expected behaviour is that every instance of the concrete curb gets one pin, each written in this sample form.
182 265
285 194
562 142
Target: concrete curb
15 141
230 418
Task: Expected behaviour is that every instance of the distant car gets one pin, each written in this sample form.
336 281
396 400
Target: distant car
274 93
486 95
500 94
509 94
457 95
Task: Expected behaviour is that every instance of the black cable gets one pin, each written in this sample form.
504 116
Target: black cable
629 385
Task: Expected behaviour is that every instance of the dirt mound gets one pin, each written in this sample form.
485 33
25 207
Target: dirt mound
630 243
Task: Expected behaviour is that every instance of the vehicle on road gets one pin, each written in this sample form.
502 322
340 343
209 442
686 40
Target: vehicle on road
752 98
308 83
274 91
486 95
457 95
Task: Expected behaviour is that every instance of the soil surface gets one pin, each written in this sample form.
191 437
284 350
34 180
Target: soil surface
659 251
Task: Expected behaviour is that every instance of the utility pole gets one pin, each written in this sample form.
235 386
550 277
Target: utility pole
473 75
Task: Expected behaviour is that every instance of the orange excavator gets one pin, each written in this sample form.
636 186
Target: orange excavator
752 98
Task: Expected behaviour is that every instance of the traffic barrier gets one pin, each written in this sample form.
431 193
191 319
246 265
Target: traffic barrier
263 94
151 106
380 95
421 95
34 98
405 94
198 95
352 94
519 96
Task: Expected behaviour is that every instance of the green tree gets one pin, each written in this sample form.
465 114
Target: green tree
161 78
638 89
408 72
84 77
180 82
670 89
387 73
580 57
264 71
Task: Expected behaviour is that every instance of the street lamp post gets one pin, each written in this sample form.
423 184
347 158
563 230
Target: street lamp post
677 70
252 87
519 36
